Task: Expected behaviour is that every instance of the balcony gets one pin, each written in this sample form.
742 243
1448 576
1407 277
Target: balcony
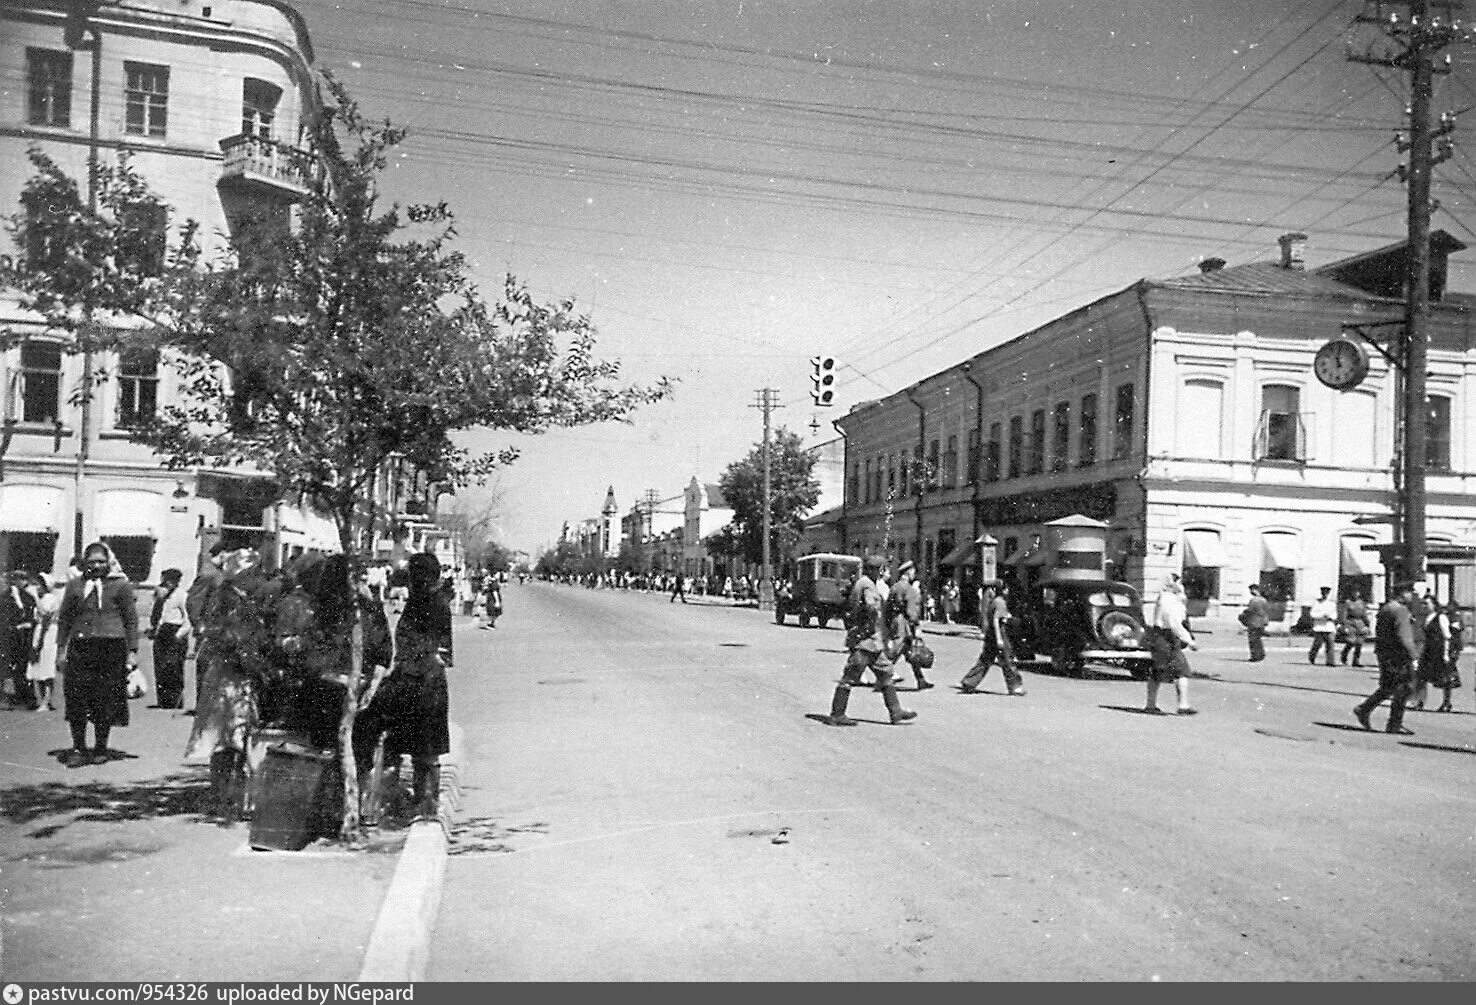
266 167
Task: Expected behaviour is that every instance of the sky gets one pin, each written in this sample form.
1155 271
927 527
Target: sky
729 189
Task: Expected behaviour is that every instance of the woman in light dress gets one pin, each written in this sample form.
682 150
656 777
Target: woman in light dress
42 670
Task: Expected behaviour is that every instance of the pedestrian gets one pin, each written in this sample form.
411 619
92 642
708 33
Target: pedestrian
1420 609
399 591
866 642
1255 618
950 602
1355 628
1324 614
410 709
97 635
169 628
491 602
1434 669
42 671
678 589
998 647
1457 640
17 633
1168 637
1394 647
903 608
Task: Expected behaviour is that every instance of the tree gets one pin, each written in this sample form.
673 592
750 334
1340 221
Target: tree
794 491
471 521
319 351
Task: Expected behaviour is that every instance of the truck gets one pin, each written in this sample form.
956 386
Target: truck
819 589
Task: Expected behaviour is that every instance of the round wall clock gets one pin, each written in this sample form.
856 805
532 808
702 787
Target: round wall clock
1341 364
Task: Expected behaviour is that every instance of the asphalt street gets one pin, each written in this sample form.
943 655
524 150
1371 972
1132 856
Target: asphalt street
650 798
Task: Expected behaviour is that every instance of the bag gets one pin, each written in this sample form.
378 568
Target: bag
919 655
1245 618
137 685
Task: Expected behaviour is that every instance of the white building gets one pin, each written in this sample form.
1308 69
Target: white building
210 99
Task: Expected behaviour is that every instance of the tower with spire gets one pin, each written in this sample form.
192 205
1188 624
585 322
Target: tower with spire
609 525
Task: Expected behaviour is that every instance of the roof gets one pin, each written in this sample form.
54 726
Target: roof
1265 279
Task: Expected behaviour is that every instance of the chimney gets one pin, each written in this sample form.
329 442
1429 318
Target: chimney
1211 265
1293 250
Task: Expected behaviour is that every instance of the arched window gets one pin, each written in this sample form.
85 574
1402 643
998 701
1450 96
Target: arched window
1198 423
259 100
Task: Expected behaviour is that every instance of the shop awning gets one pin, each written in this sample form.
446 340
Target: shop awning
129 513
1202 549
1278 551
1356 561
966 552
30 509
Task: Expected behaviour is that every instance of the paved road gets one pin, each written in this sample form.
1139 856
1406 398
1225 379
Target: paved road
631 764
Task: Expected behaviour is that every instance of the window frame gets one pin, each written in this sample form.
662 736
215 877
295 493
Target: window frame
1061 437
259 117
1271 444
1086 424
1036 459
950 461
971 470
135 385
994 452
145 91
1435 437
45 98
28 371
1016 446
1124 420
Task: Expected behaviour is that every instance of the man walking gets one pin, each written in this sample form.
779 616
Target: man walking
997 645
1255 618
1324 614
1394 645
904 614
169 628
18 624
866 640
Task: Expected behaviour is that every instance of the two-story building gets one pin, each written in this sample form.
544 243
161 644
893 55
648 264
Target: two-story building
210 99
1185 414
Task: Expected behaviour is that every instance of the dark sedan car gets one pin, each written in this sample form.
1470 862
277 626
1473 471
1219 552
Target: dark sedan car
1071 623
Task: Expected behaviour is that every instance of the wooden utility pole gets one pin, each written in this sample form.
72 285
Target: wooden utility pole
767 404
1417 35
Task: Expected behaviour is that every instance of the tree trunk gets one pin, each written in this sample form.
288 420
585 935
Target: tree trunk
351 831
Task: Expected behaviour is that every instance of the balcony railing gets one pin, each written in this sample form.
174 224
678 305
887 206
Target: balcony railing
261 162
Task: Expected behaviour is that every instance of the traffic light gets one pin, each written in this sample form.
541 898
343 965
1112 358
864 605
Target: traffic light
823 377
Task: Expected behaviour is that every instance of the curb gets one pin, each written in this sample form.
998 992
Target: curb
399 946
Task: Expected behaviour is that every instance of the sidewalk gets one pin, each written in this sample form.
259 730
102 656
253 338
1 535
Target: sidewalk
116 871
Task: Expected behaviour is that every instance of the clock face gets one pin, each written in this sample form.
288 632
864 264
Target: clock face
1341 364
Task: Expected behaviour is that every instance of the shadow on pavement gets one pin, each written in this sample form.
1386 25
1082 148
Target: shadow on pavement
1437 746
824 720
1134 709
1347 727
179 795
1294 687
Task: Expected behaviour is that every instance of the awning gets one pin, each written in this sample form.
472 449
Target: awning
290 520
965 552
1278 551
129 513
30 509
322 532
1202 549
1356 561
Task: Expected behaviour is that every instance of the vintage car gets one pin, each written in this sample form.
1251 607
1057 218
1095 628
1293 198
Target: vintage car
1071 623
818 590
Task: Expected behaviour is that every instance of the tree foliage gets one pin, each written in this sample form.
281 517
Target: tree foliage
321 350
794 491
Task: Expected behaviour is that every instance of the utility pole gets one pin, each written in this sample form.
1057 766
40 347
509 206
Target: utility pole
1417 37
650 507
767 404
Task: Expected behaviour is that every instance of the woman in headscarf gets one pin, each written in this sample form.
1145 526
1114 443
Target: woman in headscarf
97 636
1168 636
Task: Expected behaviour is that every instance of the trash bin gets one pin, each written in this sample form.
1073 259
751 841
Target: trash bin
294 786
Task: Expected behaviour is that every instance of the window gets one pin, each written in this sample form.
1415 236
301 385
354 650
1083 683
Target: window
880 474
30 550
933 471
992 453
918 471
855 486
1086 447
49 87
138 387
1280 435
1017 440
1122 423
40 382
258 107
134 554
146 98
950 463
1199 419
972 472
1037 441
891 476
868 483
1437 434
1061 445
906 473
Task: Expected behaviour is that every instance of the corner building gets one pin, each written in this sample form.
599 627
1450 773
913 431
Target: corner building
210 100
1185 414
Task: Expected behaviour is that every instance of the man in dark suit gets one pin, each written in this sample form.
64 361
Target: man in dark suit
17 624
1255 617
1394 644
